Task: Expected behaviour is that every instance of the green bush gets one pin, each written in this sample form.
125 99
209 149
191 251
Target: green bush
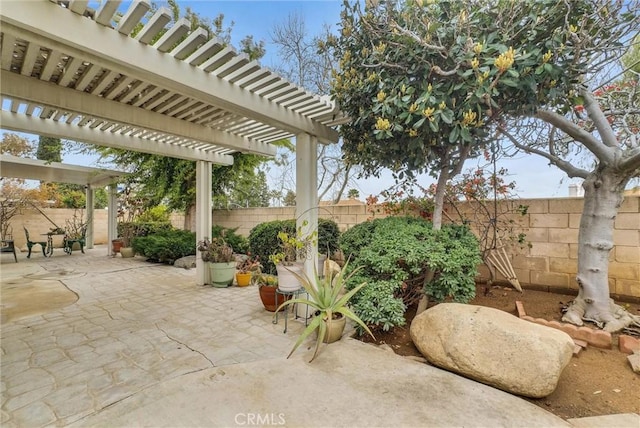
159 213
239 243
263 238
396 254
140 228
166 246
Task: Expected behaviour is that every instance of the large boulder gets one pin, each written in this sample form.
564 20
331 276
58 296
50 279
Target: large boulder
493 347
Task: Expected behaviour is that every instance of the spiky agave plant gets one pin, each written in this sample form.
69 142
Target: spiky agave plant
325 297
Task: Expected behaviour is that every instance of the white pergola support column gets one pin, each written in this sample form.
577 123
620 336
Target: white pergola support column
89 197
112 216
203 215
307 194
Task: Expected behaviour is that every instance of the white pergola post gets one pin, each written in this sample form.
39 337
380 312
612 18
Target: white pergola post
112 216
307 194
89 197
203 214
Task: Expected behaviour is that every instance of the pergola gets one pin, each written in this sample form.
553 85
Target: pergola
71 72
90 178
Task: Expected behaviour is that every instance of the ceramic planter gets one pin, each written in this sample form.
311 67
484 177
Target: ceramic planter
127 252
335 328
243 279
287 279
221 273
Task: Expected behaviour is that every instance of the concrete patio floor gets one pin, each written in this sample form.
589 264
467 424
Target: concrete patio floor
139 344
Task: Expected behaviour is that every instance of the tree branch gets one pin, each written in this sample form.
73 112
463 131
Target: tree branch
631 162
571 170
602 152
419 40
599 119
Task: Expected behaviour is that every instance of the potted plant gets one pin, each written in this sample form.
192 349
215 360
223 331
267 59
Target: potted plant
292 249
332 311
267 285
219 255
126 251
246 268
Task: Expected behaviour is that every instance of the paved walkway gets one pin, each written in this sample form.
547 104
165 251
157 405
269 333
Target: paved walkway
144 346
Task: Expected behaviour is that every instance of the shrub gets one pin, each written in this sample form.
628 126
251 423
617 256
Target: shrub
144 228
159 213
239 243
263 238
397 253
166 246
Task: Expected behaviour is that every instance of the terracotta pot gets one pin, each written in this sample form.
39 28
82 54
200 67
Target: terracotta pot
268 297
243 279
116 244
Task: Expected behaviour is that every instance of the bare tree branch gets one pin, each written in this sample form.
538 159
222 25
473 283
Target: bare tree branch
599 119
603 153
571 170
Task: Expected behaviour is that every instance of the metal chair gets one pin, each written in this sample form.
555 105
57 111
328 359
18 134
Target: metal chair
30 243
81 240
9 247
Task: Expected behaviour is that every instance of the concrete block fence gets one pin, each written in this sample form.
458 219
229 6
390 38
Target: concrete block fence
550 225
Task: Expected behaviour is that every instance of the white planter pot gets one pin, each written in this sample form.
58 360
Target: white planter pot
287 280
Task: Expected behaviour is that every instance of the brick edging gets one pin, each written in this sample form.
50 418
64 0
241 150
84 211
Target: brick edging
597 338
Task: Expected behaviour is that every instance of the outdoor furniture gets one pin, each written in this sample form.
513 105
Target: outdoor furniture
9 247
43 244
286 295
68 242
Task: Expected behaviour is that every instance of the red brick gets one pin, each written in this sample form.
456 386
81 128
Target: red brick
582 333
600 339
580 343
576 350
628 344
555 324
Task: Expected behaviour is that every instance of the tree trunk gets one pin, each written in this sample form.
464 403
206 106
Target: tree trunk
437 225
439 198
603 196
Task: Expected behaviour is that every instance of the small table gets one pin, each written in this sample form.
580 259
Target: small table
292 294
49 250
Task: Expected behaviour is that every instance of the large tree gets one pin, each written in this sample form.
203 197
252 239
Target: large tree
423 79
49 149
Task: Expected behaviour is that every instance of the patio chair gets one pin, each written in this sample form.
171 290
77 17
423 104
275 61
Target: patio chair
9 247
30 243
80 240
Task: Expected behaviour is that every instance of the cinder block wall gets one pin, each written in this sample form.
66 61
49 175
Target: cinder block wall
37 225
550 225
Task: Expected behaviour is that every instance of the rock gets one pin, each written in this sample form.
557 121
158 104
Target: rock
634 360
186 262
493 347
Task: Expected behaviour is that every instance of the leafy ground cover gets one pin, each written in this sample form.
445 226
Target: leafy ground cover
596 382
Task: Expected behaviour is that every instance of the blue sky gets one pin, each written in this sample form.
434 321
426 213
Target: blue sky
534 178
